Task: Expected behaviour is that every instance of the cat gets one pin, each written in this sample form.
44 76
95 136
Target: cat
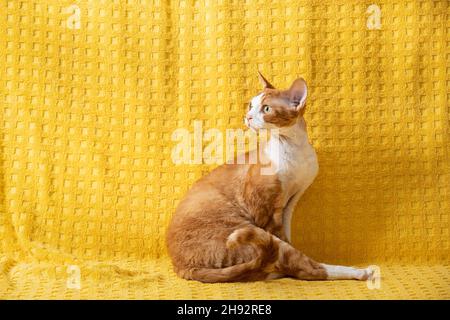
234 224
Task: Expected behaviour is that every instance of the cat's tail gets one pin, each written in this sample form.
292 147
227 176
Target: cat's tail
266 248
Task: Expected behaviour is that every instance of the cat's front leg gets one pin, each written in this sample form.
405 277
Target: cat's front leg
287 214
275 225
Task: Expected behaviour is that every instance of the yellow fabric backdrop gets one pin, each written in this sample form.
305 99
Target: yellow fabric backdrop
88 110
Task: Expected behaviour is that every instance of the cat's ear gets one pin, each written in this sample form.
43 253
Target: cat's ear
266 84
297 93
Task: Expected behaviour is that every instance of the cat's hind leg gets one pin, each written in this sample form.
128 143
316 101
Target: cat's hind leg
346 273
293 263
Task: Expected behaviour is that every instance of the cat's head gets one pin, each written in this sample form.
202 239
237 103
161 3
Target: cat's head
273 108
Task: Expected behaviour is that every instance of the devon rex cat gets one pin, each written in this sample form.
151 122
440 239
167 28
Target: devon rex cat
234 223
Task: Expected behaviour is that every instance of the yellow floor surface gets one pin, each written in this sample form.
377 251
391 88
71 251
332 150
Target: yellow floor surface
155 280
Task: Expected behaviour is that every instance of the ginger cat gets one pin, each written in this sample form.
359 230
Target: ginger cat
234 223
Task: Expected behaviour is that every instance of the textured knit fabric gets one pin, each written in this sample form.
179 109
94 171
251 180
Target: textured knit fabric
92 91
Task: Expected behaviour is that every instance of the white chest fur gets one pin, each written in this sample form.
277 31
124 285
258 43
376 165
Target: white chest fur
294 159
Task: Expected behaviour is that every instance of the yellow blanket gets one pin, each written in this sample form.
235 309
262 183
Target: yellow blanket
92 91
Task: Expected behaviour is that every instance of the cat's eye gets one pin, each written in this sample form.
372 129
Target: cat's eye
266 108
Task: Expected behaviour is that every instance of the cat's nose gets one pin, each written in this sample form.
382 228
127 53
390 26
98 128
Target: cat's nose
249 117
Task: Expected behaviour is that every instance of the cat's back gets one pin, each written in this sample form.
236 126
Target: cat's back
220 186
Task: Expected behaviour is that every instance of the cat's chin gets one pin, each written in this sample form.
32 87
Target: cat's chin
251 127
